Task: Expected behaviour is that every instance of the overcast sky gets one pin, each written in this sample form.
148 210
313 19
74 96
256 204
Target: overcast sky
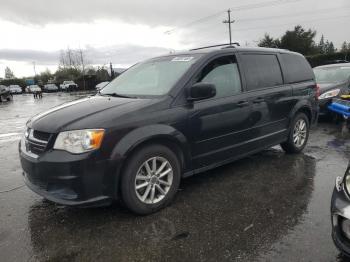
125 32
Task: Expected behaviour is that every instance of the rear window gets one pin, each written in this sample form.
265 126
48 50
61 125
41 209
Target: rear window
261 71
297 68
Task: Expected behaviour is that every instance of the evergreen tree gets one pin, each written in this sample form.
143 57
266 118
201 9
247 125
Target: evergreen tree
269 41
344 47
321 45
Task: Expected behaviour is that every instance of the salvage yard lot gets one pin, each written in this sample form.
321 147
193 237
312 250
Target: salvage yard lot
268 207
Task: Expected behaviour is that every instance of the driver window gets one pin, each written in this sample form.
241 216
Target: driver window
223 73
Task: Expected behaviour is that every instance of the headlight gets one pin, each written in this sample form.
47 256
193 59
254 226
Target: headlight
79 141
330 94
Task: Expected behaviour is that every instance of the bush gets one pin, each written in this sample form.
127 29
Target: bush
317 60
14 81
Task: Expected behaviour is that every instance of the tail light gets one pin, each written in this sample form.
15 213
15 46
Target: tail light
317 93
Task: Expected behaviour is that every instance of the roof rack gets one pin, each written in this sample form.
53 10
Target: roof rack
211 46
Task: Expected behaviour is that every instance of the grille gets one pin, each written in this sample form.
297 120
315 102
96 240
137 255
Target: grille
41 135
37 141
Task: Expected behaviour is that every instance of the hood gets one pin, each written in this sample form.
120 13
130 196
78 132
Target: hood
84 113
324 87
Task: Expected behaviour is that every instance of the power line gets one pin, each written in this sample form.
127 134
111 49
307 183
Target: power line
236 8
303 21
279 25
288 15
195 22
262 5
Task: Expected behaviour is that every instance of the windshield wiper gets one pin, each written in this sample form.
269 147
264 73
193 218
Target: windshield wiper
116 95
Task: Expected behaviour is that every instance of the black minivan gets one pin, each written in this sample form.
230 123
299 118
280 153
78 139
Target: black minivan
167 118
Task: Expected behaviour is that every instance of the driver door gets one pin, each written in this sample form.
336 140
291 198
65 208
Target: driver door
219 125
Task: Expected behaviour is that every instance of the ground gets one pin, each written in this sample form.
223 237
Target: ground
267 207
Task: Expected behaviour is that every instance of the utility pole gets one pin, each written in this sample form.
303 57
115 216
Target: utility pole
229 22
34 68
83 65
112 71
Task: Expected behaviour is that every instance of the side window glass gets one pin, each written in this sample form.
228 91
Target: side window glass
297 69
223 73
262 70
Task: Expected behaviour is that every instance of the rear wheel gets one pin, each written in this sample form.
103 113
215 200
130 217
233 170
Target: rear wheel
150 179
298 135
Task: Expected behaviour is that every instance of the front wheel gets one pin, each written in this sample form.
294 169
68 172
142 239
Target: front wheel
298 135
150 179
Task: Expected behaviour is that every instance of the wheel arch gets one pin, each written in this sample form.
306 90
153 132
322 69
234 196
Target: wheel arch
301 107
155 134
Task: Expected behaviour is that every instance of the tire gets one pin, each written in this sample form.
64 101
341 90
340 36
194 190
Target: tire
136 164
291 145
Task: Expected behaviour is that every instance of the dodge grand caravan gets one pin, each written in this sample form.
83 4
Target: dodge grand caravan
165 119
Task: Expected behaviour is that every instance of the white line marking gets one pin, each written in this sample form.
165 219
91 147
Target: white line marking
9 134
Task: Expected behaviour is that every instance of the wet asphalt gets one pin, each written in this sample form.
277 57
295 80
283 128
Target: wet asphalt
267 207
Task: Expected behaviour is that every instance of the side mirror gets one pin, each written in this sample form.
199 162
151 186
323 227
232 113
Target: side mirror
200 91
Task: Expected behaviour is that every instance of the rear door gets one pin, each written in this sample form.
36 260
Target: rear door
271 99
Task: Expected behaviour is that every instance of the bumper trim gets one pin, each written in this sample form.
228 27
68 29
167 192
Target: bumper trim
95 201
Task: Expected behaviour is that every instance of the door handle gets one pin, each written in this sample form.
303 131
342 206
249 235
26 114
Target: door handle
242 103
258 100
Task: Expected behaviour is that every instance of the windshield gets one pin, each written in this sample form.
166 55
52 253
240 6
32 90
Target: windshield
152 78
332 74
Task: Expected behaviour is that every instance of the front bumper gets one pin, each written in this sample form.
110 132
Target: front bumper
340 210
74 180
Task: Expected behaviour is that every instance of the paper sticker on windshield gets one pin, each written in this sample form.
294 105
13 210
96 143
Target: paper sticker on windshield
182 59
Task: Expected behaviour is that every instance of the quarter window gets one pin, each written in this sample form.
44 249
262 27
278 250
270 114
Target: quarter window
261 71
223 73
297 69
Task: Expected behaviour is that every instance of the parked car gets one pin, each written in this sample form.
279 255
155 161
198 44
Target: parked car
334 81
15 89
5 94
340 213
339 61
101 85
33 89
68 86
50 88
168 118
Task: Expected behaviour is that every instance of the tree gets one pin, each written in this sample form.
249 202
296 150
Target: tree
8 73
321 45
102 74
66 73
73 58
299 40
269 41
45 76
345 47
329 48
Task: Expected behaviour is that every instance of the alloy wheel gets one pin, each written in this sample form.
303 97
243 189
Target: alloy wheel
153 180
299 133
